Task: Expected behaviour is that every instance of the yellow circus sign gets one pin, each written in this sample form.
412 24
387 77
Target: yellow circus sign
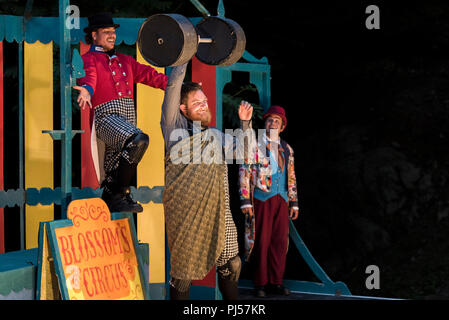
95 257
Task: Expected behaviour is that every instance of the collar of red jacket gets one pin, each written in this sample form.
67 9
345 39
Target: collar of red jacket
96 48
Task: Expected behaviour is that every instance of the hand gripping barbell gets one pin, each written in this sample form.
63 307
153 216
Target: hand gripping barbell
172 40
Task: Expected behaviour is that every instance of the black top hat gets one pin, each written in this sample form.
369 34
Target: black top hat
100 20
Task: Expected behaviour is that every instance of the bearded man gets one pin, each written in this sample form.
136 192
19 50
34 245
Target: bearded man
200 230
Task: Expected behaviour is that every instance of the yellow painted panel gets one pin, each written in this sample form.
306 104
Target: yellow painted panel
151 172
38 116
49 281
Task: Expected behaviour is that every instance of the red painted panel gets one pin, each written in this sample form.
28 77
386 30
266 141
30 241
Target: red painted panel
207 75
88 176
208 281
2 218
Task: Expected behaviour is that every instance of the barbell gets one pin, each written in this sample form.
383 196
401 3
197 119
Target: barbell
172 40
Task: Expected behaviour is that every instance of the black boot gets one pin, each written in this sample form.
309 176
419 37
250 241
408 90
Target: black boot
136 207
228 277
178 295
119 200
122 177
228 288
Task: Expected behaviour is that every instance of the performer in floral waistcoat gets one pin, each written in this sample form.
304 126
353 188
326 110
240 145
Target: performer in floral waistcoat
107 88
268 198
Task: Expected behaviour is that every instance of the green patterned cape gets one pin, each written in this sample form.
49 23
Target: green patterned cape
194 206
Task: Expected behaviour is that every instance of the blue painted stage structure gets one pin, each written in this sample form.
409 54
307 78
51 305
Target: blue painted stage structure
36 195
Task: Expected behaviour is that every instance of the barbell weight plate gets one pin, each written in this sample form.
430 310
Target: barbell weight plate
228 41
167 40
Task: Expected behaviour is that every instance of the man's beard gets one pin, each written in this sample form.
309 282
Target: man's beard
205 118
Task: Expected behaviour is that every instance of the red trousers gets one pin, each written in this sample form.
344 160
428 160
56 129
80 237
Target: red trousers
271 240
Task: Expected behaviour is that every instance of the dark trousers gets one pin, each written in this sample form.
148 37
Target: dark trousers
271 240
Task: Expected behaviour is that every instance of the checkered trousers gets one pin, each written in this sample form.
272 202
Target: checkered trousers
115 122
231 247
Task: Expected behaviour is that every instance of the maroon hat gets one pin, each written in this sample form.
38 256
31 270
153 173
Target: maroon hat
276 110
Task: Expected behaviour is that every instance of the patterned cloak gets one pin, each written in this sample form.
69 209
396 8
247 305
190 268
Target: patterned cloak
194 206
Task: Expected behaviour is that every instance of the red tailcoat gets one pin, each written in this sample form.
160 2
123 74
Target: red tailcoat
112 78
109 78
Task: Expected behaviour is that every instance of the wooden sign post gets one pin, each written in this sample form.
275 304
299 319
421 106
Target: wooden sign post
93 255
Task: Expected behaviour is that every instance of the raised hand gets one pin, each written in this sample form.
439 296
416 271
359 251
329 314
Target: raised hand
294 213
249 211
83 97
245 110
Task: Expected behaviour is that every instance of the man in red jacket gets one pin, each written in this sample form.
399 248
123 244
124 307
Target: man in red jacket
107 88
